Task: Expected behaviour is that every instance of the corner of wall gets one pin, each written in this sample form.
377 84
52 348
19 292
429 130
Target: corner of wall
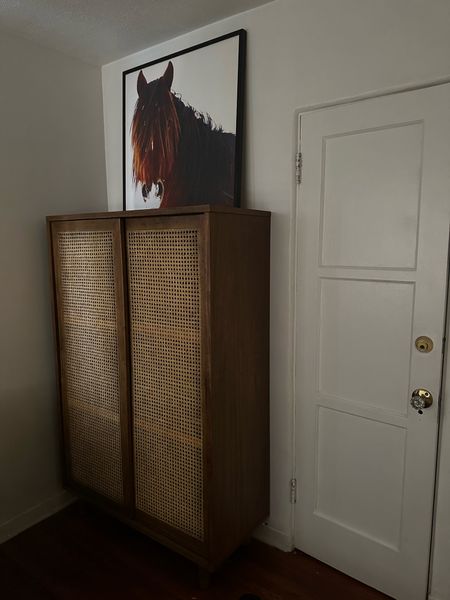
34 515
274 537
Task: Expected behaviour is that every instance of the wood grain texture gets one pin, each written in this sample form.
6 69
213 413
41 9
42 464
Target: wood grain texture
160 212
94 557
125 370
55 332
239 380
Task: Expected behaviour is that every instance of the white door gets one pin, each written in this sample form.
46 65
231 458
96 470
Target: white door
373 227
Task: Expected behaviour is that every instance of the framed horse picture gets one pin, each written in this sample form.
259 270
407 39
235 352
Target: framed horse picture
182 126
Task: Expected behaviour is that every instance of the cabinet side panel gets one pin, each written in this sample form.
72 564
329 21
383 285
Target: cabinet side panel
88 327
165 326
240 255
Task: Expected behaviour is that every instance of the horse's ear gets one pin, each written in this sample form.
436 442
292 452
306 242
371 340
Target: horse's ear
141 84
168 75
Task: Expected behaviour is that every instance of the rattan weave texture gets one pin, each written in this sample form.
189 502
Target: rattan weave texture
164 287
90 365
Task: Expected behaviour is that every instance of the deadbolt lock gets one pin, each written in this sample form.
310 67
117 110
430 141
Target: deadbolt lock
421 399
424 344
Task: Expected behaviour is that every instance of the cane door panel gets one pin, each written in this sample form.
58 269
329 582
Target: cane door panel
165 258
91 335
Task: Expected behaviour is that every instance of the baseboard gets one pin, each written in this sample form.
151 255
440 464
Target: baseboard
274 537
33 515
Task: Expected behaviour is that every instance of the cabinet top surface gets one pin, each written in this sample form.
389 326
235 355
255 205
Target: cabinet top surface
179 210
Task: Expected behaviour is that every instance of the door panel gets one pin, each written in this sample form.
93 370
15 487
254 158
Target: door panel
372 259
371 194
345 454
164 259
89 299
356 345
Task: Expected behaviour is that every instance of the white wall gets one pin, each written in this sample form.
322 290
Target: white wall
51 161
300 53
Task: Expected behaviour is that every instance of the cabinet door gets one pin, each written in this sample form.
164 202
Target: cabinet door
166 281
88 274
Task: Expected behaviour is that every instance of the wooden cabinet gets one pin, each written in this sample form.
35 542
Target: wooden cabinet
162 332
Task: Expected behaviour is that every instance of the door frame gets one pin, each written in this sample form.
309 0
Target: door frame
442 462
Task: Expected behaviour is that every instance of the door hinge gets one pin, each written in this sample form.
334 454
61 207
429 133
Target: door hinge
293 487
298 167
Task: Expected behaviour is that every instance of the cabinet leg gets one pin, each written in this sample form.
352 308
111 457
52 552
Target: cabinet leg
204 578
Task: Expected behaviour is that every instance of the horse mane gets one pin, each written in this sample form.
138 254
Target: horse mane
154 138
201 117
198 128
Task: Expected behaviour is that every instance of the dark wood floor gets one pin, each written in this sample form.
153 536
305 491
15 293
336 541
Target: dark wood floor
91 556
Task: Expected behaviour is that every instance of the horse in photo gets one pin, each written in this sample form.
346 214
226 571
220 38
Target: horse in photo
179 154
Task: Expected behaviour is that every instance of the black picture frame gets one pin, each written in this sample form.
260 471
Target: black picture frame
136 167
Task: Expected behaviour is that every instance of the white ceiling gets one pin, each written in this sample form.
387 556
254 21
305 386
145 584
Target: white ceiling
100 31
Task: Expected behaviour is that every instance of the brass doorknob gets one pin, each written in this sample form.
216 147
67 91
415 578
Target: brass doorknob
424 344
421 399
